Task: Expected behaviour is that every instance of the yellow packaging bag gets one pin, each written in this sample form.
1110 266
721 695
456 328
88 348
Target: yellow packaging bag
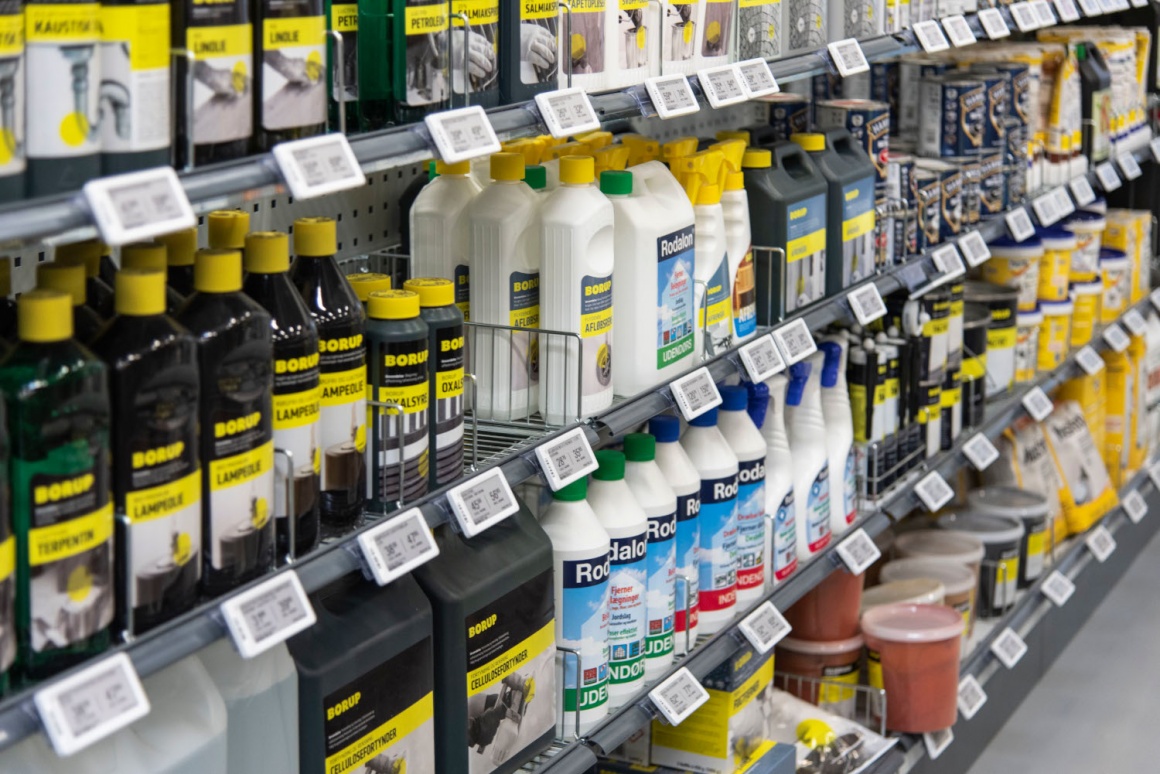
1089 392
1118 417
1137 438
1025 462
1086 491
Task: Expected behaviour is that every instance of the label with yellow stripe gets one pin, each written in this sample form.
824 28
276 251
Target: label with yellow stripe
588 6
595 306
756 3
807 229
341 387
69 538
411 397
144 28
449 384
297 409
7 558
164 500
344 17
510 660
1001 338
530 10
633 5
278 33
478 12
242 468
64 23
426 19
975 367
11 34
379 740
213 42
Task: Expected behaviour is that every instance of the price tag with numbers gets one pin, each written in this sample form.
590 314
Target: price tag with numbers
795 341
765 627
1019 224
1154 473
974 248
566 458
1091 7
269 613
848 57
1089 360
972 697
1037 403
1116 338
1067 10
1058 588
722 86
930 36
139 205
994 24
761 359
1046 209
1135 507
934 491
1155 147
1134 322
1063 202
757 78
1081 189
91 704
695 393
1009 648
1106 174
567 112
318 166
980 451
866 303
462 134
1043 10
1129 166
1101 543
858 552
679 696
1025 17
959 31
482 502
1154 297
937 742
948 262
398 545
671 95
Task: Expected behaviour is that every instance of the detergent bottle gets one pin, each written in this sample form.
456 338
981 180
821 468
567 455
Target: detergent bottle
702 175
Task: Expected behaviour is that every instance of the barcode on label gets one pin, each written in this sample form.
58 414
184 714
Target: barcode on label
1101 543
1116 338
1058 588
1135 506
397 546
795 341
858 552
269 613
994 24
1009 648
567 458
317 166
138 205
930 36
722 86
1067 10
848 57
1019 224
1043 11
567 112
482 502
761 359
88 706
1106 174
1129 166
1037 403
695 393
971 697
1063 202
934 491
462 134
948 262
679 696
757 78
866 303
1134 322
959 31
1025 17
671 95
1046 209
1081 189
937 741
1089 361
1155 146
974 248
765 627
980 451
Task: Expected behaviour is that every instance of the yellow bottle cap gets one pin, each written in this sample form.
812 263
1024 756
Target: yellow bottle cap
614 157
86 253
757 158
734 181
595 140
567 149
734 152
460 168
144 256
702 175
315 237
366 283
65 277
393 305
577 170
227 229
432 291
180 246
44 316
5 276
810 141
739 134
640 148
267 252
678 148
217 271
140 293
507 166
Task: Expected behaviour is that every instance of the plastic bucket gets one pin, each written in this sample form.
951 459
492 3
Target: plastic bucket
957 579
1031 508
1002 539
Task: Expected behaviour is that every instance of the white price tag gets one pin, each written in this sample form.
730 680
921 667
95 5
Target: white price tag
1155 146
88 706
1043 10
398 545
1135 507
1089 360
1025 17
695 393
1058 588
1139 3
671 95
1009 648
930 36
866 303
974 248
139 205
1107 6
994 24
934 491
1134 322
1116 338
980 451
1154 473
757 78
722 86
1067 10
1101 543
1154 297
462 134
971 697
1081 189
765 627
1037 403
566 458
1129 166
858 552
567 112
848 57
761 359
1106 174
795 341
959 31
948 262
1046 209
269 613
937 742
482 502
318 166
1091 7
1063 202
1019 224
679 696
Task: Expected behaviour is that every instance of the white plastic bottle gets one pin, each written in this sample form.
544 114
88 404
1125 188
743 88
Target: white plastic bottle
701 174
504 245
439 230
627 526
839 435
576 295
653 250
717 466
739 239
781 534
746 442
683 477
807 442
580 556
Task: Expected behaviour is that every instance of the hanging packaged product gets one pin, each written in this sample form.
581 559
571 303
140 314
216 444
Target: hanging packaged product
703 175
804 25
1088 228
635 42
342 18
760 34
715 44
1015 265
1098 111
750 448
70 279
98 293
781 527
529 45
1025 462
290 87
1086 491
1001 333
13 136
474 52
685 480
439 229
680 35
374 72
135 86
738 242
417 77
811 470
180 249
1027 325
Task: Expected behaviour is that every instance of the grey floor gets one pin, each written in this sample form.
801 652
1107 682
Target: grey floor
1095 710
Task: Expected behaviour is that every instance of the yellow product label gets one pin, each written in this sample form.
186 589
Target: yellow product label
633 5
7 558
426 19
144 27
69 538
503 664
478 12
449 384
1006 571
11 34
717 312
596 323
874 669
297 409
951 398
538 9
412 397
355 755
293 32
856 227
343 387
164 500
757 3
858 408
241 468
62 23
975 367
1001 338
528 317
828 693
802 247
588 6
936 327
211 42
344 17
893 388
1036 543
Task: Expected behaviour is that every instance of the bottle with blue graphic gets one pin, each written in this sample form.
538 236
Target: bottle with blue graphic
781 532
811 469
703 176
839 434
659 502
746 442
739 239
580 564
717 465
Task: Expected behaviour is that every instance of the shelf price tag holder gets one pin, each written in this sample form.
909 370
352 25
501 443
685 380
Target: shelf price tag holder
1037 403
1091 7
567 112
318 166
1106 174
566 458
397 546
269 613
764 627
462 134
974 248
761 358
679 696
980 452
848 57
671 95
994 24
1025 17
930 36
972 697
1129 166
1046 209
1067 10
1043 10
138 206
695 393
1063 202
1116 338
722 86
936 742
1009 648
1058 588
948 262
1101 543
1134 322
934 491
86 707
866 303
1081 189
858 552
1019 224
1135 507
482 502
959 32
1089 360
795 341
757 78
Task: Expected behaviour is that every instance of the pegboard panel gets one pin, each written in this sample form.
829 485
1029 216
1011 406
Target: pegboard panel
704 123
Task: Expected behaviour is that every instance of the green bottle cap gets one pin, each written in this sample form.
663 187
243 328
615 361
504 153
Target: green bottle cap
640 447
574 492
536 177
615 182
611 465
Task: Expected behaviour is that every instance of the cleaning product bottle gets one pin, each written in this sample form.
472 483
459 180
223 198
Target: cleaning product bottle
180 248
227 229
529 44
474 53
297 398
839 435
8 570
580 567
641 149
702 175
781 532
627 526
1098 111
659 503
135 67
7 305
342 18
739 241
98 294
750 448
652 216
12 121
342 360
685 480
811 469
58 425
422 51
439 229
151 256
70 279
504 245
235 361
366 282
717 466
576 291
290 85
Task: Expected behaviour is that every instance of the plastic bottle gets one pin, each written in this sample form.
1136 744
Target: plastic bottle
419 68
98 294
839 436
811 470
739 241
366 282
685 480
580 567
750 448
659 503
227 229
58 426
576 296
297 397
290 85
439 229
530 46
235 361
702 175
70 279
151 256
180 249
12 121
717 466
781 532
504 245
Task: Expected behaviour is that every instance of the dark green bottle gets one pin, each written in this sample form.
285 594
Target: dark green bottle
290 87
98 293
71 280
107 270
7 305
180 248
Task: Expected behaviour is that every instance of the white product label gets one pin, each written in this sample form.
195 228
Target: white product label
959 31
671 95
866 303
848 57
1116 338
1081 189
858 552
482 502
567 112
1139 3
139 205
1135 507
971 697
1046 209
930 36
317 166
566 458
1009 648
1089 360
1106 174
974 248
1129 166
1134 322
1091 7
679 696
1155 146
1037 403
765 627
795 341
761 359
1025 17
933 491
269 613
1019 224
980 451
462 134
994 24
695 393
397 546
1063 202
1067 10
1043 10
757 78
88 706
948 262
937 741
722 86
1154 297
1101 543
1058 588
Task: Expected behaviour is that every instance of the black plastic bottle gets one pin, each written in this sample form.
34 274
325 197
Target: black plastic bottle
153 383
7 564
7 305
227 229
13 138
290 87
151 256
180 248
98 294
70 279
297 391
235 361
342 360
58 415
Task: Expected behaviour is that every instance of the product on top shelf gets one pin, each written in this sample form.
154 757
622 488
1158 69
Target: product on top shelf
290 84
750 448
530 47
439 229
702 175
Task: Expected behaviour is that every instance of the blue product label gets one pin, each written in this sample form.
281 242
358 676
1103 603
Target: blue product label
785 538
858 220
805 252
687 583
851 488
675 297
751 525
662 572
718 555
817 511
584 628
745 298
626 608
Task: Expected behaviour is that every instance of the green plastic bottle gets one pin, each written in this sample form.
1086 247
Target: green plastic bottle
420 46
290 82
57 398
70 279
373 63
98 293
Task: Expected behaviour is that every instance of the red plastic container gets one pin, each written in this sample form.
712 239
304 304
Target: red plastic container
830 611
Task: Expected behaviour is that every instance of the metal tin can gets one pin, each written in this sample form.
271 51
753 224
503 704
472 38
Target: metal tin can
952 115
788 114
1016 161
927 197
971 170
992 184
1021 105
951 196
833 86
869 123
884 88
911 71
997 88
976 320
899 169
